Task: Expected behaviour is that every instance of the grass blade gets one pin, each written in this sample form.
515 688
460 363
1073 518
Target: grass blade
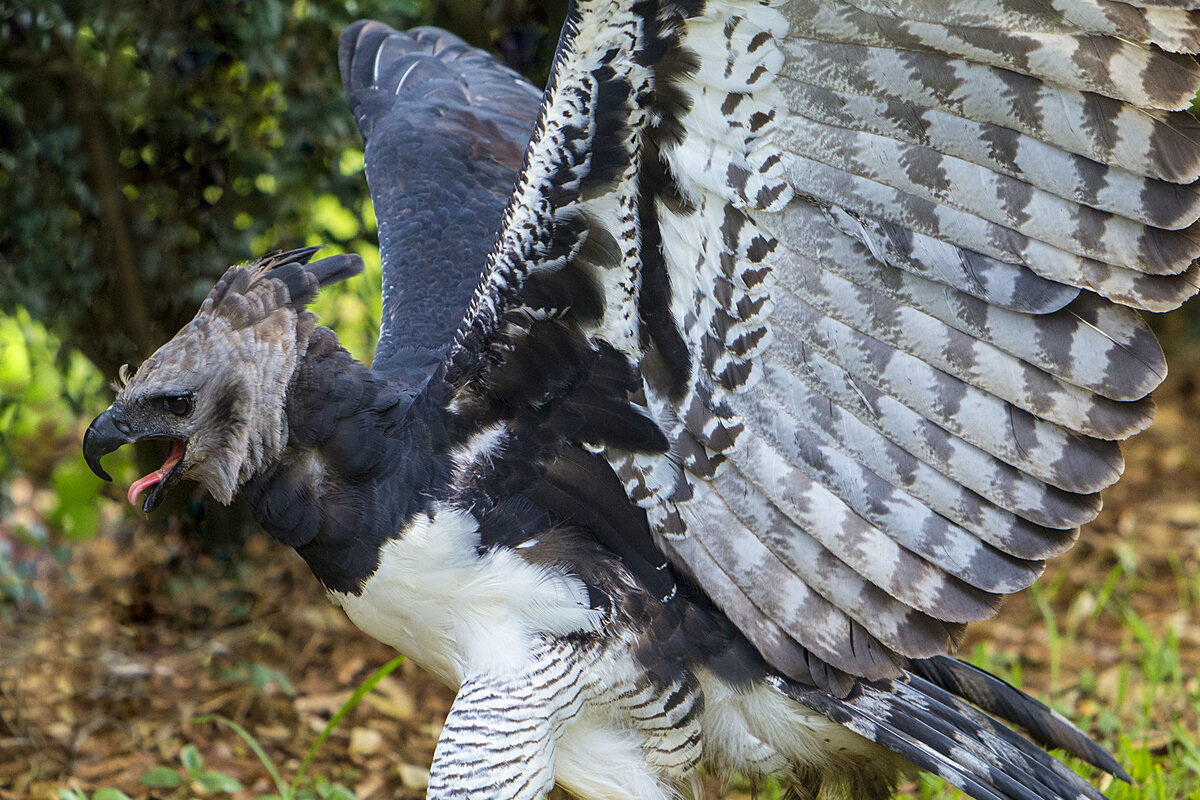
363 689
253 744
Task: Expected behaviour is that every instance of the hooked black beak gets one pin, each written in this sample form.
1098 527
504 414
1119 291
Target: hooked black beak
108 432
105 435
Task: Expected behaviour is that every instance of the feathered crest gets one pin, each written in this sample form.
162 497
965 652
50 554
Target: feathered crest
247 294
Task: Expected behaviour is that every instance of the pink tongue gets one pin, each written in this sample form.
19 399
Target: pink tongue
154 477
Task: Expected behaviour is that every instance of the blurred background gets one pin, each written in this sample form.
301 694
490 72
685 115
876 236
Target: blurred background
144 147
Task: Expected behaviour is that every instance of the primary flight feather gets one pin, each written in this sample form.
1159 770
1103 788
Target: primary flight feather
720 385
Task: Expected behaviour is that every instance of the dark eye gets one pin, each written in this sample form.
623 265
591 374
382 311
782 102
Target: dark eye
180 405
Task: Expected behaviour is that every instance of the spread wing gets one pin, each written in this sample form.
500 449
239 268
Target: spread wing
870 269
843 293
445 127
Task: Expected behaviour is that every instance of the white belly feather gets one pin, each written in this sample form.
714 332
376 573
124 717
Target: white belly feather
461 614
456 612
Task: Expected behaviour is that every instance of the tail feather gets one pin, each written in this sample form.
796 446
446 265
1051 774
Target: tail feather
916 751
993 742
1044 725
926 718
919 722
991 727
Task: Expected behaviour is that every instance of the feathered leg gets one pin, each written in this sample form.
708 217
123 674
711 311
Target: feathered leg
498 742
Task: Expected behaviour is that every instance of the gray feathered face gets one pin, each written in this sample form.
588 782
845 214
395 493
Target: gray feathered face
216 393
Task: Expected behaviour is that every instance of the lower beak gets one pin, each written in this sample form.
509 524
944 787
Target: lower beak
103 436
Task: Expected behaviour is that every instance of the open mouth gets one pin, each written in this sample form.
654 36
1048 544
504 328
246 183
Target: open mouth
108 433
160 479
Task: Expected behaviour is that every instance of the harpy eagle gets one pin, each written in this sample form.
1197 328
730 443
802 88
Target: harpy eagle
719 385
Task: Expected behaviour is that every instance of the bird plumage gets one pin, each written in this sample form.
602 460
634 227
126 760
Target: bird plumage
721 385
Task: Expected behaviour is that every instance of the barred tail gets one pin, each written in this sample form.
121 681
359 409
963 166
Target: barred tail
942 717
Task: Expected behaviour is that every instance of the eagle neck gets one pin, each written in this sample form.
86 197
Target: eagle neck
363 458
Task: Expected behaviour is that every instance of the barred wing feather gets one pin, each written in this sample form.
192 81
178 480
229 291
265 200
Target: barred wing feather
864 277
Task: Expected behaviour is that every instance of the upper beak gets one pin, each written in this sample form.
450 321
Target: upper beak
104 436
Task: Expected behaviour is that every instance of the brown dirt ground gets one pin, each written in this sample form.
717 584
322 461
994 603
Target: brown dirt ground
139 634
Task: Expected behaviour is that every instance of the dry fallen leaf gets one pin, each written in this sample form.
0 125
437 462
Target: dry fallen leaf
412 776
365 741
391 698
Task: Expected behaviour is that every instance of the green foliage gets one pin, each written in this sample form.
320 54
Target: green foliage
45 389
304 786
191 777
163 777
353 308
144 148
100 794
260 676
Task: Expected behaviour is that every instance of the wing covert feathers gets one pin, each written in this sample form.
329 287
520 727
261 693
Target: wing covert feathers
905 264
875 269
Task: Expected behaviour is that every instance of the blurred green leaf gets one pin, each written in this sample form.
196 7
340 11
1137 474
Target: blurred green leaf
215 781
76 490
334 791
15 369
109 793
258 675
189 756
162 777
330 214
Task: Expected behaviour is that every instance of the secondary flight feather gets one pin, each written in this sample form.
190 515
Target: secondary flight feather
720 385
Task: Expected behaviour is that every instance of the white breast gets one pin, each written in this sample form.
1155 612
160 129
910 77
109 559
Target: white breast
456 612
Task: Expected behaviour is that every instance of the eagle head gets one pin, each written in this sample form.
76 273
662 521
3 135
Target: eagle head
216 392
